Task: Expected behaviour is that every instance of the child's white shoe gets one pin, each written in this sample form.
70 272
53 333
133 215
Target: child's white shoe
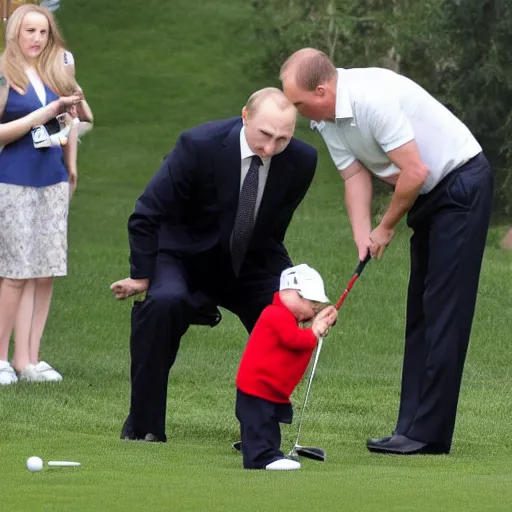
283 465
7 374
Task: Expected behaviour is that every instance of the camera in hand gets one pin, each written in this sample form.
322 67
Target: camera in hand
51 134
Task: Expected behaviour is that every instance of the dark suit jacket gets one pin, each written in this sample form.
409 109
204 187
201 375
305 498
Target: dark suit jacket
189 206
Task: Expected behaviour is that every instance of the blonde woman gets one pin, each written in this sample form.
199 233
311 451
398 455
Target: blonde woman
37 83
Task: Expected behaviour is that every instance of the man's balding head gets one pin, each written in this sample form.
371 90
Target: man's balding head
268 94
309 82
308 68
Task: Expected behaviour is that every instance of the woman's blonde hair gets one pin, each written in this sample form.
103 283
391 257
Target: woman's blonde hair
50 65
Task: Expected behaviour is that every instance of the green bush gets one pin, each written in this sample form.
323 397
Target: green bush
457 50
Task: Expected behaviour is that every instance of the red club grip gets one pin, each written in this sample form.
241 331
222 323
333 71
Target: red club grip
357 273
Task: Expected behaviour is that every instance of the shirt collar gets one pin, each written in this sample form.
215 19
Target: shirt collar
343 103
245 150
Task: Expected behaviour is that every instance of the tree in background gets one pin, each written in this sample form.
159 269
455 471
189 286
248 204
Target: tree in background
478 85
457 49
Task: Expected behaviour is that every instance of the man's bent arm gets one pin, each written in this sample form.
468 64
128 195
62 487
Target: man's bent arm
358 200
284 218
163 199
413 174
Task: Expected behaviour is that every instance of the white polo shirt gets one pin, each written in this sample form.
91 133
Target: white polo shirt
378 110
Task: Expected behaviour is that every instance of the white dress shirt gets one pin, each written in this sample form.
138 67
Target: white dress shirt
378 110
246 156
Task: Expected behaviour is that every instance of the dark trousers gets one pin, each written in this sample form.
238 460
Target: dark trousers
450 227
159 322
259 429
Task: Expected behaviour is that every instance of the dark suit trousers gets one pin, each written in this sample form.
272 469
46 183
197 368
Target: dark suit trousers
450 227
159 322
259 429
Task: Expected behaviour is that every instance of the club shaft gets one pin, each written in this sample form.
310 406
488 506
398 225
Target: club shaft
311 376
357 273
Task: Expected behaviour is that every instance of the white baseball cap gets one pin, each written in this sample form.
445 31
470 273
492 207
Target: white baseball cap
306 280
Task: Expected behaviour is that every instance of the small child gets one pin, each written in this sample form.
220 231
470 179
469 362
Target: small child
274 361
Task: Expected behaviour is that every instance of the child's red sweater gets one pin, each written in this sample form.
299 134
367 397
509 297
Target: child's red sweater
276 356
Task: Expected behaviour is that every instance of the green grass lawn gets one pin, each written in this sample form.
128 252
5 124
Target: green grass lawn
151 70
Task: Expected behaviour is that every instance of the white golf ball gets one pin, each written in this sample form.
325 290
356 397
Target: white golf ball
34 464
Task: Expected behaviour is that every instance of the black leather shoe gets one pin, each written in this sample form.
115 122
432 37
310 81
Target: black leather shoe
237 445
379 439
128 436
151 438
148 438
403 445
127 432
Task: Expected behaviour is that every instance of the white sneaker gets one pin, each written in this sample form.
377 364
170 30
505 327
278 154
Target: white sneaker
40 372
283 465
7 374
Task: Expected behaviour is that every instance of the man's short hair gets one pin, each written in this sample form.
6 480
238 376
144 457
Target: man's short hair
268 93
309 67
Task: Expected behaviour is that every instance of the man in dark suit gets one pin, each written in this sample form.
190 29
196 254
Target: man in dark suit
208 231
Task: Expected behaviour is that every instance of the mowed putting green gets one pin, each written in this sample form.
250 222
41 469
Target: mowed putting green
150 72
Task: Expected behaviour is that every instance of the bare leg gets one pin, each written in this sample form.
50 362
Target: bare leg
23 326
10 295
43 298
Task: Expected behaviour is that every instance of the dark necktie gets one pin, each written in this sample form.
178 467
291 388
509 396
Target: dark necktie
244 221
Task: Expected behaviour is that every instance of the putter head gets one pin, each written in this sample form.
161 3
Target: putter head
310 452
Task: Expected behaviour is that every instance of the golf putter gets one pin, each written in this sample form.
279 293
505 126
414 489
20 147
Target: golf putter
313 452
310 452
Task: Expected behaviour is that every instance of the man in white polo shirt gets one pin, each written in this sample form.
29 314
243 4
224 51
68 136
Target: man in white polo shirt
376 122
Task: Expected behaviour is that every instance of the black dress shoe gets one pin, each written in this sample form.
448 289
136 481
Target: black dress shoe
151 438
148 438
127 432
379 440
128 435
403 445
237 445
